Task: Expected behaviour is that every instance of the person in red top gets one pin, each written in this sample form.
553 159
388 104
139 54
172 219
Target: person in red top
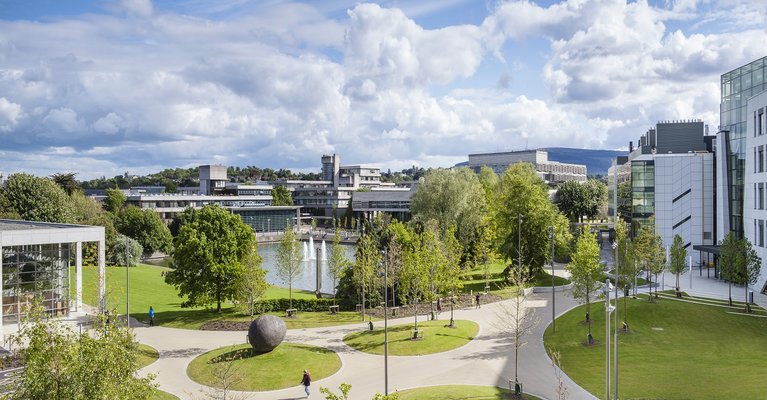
306 381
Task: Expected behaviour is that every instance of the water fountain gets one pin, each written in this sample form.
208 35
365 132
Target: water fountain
306 251
312 256
323 254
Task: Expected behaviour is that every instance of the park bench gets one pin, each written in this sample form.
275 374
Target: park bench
416 334
291 312
333 309
394 311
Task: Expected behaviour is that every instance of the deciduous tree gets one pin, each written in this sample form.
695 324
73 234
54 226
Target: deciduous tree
585 270
678 257
38 199
289 259
337 262
146 227
281 196
207 256
251 284
114 200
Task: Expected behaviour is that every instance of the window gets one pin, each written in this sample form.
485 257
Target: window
759 124
755 163
756 201
760 157
761 233
761 196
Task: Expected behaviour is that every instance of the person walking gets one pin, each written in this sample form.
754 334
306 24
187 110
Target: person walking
476 298
151 316
306 381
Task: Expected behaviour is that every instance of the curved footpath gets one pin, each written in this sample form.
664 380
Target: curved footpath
486 360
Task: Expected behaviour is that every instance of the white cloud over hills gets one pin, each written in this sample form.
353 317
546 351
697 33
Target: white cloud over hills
140 88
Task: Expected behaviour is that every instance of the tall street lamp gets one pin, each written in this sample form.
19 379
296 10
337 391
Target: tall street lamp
519 242
553 297
127 265
386 322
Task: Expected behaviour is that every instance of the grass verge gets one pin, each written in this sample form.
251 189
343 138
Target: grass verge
160 395
460 392
278 369
438 337
146 355
671 347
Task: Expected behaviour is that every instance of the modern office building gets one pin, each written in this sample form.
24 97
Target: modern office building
755 178
737 86
552 172
393 201
35 264
675 186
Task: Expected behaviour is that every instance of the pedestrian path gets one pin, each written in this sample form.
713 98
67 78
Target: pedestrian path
486 360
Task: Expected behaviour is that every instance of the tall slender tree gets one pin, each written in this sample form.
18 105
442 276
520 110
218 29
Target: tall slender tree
585 271
289 260
337 262
678 257
251 284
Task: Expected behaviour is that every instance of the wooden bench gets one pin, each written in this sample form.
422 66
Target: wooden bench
416 334
291 312
394 311
333 309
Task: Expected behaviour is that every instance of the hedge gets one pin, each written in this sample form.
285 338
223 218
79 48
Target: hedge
268 305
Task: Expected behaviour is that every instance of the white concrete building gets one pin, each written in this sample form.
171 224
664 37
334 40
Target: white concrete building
34 263
683 196
550 171
755 177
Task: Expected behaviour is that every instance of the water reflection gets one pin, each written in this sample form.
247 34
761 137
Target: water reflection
307 280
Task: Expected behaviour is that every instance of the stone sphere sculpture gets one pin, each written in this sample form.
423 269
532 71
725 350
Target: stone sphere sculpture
266 332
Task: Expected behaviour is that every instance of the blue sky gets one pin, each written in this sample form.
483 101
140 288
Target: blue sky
105 87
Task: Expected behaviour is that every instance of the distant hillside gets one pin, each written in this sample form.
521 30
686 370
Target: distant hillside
597 161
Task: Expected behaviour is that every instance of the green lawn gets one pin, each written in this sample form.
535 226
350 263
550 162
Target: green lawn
278 369
438 337
160 395
146 355
474 280
148 287
459 392
675 350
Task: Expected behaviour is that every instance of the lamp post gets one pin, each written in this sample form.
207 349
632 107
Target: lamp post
127 292
608 310
386 323
519 242
553 297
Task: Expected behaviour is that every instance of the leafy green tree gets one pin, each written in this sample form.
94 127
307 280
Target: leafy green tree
66 181
337 262
585 270
414 276
522 193
180 219
116 254
515 320
729 259
38 199
452 197
596 193
89 212
649 251
289 259
366 262
678 257
573 200
627 267
281 196
145 226
451 273
6 209
624 200
207 256
62 364
749 269
251 284
114 200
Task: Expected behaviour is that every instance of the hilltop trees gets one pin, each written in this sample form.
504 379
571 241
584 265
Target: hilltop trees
207 256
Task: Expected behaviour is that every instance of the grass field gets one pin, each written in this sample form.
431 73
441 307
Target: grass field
438 337
278 369
459 392
160 395
146 355
675 350
475 281
148 288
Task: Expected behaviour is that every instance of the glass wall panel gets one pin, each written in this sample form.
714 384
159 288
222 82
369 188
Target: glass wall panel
38 272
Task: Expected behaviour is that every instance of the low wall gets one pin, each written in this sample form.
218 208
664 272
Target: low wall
547 289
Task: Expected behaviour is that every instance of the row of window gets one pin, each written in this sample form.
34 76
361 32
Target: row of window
759 120
759 196
759 232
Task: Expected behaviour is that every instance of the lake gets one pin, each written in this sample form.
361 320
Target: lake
307 279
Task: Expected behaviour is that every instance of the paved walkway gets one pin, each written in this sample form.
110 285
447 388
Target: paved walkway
486 360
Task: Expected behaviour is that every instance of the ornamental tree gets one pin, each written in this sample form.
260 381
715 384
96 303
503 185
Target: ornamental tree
678 257
585 270
207 256
289 259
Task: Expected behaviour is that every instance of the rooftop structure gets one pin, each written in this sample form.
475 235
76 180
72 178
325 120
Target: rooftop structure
552 172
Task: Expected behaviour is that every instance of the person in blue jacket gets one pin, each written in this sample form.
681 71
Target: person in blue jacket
151 316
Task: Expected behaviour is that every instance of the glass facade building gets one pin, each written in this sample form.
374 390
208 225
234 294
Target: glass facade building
738 86
268 219
35 272
643 193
